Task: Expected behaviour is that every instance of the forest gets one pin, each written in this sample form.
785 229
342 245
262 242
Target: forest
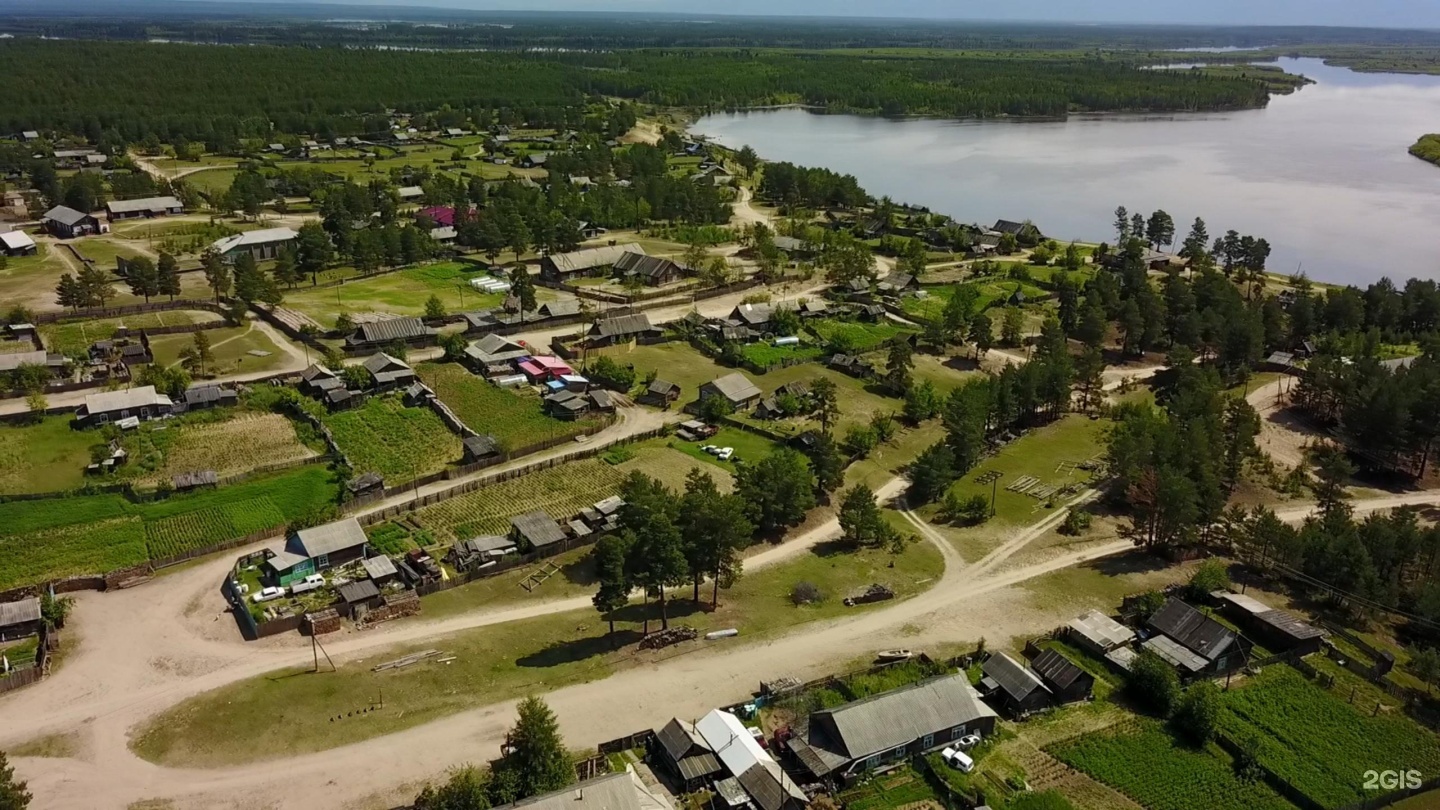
168 90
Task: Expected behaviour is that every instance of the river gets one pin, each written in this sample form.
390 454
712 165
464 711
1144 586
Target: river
1322 173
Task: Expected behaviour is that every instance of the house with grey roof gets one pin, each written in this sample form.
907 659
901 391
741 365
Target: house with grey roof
388 372
1276 629
885 730
761 777
480 448
478 551
616 791
1063 677
736 388
494 350
263 244
1097 633
536 530
145 207
1194 643
566 266
652 270
20 618
622 329
687 755
1013 686
142 402
306 551
17 243
64 222
317 381
52 363
375 334
754 316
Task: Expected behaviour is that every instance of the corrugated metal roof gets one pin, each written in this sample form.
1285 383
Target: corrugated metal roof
612 792
359 591
735 387
742 756
25 610
379 567
148 204
900 716
1176 655
624 326
1101 630
538 528
678 738
329 538
1196 631
1014 678
394 329
141 397
591 258
1055 669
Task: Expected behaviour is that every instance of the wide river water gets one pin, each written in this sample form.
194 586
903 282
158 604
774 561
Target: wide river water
1322 173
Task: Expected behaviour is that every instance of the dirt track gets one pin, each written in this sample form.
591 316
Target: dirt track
1281 435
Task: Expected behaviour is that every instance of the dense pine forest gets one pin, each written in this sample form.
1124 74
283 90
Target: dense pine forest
142 89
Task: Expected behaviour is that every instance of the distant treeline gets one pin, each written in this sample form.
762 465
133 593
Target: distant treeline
167 90
317 24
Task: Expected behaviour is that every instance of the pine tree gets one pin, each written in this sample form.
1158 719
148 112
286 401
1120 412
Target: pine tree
614 591
217 275
535 752
168 271
142 277
13 795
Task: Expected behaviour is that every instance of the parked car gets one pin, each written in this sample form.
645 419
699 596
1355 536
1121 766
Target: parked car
267 594
759 736
307 584
725 453
968 741
958 760
709 448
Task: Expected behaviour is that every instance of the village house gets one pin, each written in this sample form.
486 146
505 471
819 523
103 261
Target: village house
812 308
1098 634
566 266
653 270
317 381
534 160
687 755
898 284
307 551
1067 682
20 619
660 393
202 397
147 207
752 316
567 405
852 365
886 730
17 243
616 791
558 309
536 530
77 158
623 329
375 334
1012 686
106 407
262 245
769 407
1020 230
760 776
410 194
542 368
736 388
64 222
494 355
54 364
1194 643
1278 630
388 372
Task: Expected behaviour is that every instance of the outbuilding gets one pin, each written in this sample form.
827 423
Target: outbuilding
1065 680
1276 629
1013 686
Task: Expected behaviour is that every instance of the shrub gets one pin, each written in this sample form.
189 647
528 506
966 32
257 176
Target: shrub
806 593
1211 576
1154 684
613 374
1198 714
859 441
1077 522
970 511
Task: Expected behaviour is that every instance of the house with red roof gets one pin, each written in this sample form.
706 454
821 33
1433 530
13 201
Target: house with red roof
544 367
442 215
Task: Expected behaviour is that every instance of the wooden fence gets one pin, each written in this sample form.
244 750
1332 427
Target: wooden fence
92 313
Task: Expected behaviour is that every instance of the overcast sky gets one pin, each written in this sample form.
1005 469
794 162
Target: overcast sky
1385 13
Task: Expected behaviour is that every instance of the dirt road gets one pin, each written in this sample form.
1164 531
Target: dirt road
1282 436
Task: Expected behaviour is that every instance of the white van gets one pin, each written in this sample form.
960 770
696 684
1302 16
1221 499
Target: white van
957 759
309 583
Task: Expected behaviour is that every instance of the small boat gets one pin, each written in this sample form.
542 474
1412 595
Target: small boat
890 656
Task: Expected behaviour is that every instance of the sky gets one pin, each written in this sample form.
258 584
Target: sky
1378 13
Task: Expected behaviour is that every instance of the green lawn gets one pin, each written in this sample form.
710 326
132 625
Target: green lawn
231 347
31 280
991 292
765 355
211 181
270 717
403 292
676 362
92 534
858 401
748 446
47 456
103 250
73 338
1039 453
400 443
516 419
857 337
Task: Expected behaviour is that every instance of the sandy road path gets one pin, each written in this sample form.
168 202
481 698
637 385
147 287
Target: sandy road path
1282 436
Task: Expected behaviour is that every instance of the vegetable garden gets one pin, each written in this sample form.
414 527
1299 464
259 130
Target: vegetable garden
232 446
1145 763
94 534
856 337
560 491
1318 744
400 443
516 420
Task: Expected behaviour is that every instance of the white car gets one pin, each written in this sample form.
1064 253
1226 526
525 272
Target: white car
725 453
968 741
267 594
709 448
958 760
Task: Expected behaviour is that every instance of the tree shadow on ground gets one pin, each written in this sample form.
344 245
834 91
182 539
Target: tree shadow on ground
575 650
962 364
1130 562
676 607
581 571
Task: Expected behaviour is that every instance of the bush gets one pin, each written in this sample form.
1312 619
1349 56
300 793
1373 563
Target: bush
1147 603
613 374
1199 712
970 511
1077 522
1154 684
1210 577
859 441
806 593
